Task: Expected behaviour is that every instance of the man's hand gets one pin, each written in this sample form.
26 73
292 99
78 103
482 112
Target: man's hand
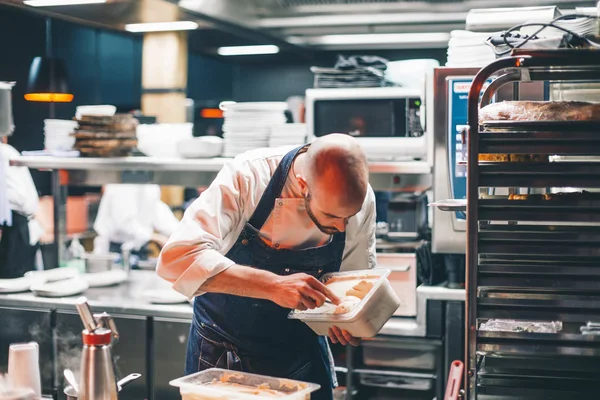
301 292
343 337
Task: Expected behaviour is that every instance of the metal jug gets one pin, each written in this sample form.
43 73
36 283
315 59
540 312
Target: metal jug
97 377
6 117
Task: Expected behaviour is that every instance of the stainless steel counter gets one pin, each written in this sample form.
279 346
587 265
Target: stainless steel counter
181 165
415 175
126 299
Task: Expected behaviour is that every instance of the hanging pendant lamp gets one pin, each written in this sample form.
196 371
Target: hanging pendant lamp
48 77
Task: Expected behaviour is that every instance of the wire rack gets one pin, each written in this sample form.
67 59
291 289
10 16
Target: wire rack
534 259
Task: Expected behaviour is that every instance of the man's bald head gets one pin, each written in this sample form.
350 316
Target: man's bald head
336 174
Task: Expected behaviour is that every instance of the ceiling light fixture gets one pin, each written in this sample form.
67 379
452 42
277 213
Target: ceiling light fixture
48 77
162 26
51 3
247 50
376 38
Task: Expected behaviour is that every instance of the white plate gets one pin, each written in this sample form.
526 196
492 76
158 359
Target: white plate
259 106
105 278
52 275
450 205
64 288
16 285
164 296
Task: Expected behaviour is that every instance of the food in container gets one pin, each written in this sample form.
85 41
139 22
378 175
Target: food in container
218 383
555 111
368 302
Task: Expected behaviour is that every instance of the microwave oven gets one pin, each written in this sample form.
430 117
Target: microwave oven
389 122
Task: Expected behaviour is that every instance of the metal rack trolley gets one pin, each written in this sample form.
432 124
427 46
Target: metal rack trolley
545 269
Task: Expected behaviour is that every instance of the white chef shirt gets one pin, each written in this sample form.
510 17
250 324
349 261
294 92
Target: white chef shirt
21 192
131 214
211 225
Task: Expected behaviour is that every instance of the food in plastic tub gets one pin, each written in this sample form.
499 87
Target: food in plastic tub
216 383
376 303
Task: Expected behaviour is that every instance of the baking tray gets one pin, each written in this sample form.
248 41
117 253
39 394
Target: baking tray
540 142
553 174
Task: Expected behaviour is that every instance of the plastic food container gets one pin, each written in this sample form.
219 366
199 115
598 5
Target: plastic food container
367 318
195 386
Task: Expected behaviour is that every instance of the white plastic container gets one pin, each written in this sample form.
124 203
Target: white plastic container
194 387
367 318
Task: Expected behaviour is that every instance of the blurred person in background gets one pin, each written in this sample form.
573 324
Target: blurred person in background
20 232
132 216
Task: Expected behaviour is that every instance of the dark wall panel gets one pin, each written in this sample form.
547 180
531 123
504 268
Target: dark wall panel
120 74
76 46
209 78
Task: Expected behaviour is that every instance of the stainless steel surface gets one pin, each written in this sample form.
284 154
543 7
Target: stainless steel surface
99 262
534 292
70 393
417 327
70 377
448 232
408 354
124 299
89 322
97 379
201 172
104 320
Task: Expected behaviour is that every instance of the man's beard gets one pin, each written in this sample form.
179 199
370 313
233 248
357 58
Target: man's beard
329 230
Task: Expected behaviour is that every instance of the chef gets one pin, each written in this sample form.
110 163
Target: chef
253 246
21 233
132 216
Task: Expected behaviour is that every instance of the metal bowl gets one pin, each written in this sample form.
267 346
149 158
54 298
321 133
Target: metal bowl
100 262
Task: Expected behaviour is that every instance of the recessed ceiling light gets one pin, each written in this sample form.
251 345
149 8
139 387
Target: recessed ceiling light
162 26
247 50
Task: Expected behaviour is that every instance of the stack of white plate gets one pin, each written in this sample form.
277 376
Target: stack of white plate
57 134
247 126
468 49
287 135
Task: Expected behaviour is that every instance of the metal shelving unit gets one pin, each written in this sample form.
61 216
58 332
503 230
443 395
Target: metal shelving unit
532 259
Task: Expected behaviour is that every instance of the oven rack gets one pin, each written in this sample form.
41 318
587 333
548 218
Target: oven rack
533 259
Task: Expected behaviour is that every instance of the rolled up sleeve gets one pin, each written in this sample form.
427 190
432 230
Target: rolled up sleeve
194 252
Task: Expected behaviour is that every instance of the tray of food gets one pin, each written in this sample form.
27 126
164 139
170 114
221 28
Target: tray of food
368 301
215 383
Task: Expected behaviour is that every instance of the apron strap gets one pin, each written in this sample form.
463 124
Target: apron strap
273 190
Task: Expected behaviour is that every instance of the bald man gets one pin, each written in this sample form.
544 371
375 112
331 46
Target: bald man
252 247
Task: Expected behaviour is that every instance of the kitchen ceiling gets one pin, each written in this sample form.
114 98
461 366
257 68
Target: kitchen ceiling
295 25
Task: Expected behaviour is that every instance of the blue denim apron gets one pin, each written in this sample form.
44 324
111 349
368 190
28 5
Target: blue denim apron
254 335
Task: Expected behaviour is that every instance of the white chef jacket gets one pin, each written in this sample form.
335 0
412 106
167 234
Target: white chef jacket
131 214
211 225
21 192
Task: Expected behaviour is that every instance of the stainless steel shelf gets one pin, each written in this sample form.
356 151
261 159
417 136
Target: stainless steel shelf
181 165
554 174
409 175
